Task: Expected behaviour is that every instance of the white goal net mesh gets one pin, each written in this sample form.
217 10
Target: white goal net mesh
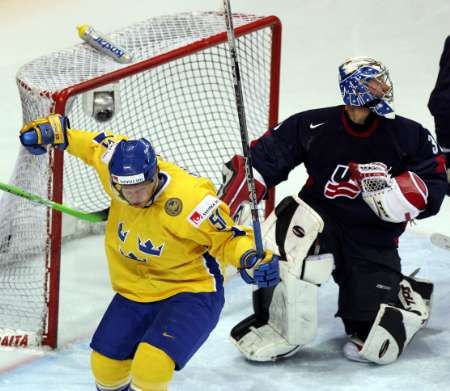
181 98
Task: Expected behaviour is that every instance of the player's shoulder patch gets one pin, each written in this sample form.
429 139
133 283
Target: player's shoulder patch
99 137
203 210
173 206
107 155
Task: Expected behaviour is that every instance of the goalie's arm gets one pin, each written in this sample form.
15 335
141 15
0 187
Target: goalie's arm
274 155
429 165
280 150
417 192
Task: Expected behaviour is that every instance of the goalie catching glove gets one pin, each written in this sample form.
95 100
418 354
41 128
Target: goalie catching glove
393 199
234 190
51 130
263 272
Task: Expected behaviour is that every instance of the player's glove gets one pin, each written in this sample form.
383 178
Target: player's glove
395 200
264 272
51 130
234 191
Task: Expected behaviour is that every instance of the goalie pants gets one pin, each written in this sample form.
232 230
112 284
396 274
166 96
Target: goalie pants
178 325
367 276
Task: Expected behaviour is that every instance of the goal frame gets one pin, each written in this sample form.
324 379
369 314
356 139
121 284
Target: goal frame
56 157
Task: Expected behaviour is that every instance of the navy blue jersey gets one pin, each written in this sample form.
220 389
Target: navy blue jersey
325 141
439 103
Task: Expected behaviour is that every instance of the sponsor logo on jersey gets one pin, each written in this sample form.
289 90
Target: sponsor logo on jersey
340 184
313 126
277 126
173 206
203 210
385 287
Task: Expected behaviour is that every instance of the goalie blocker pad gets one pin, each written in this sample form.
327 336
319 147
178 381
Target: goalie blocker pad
285 317
394 327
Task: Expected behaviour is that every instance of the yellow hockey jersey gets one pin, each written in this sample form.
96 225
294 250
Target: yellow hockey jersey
171 246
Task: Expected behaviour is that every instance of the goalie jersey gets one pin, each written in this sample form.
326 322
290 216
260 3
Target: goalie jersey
326 141
170 247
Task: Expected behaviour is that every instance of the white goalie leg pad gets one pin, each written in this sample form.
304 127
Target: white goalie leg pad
292 227
293 309
290 231
264 344
292 313
391 332
300 225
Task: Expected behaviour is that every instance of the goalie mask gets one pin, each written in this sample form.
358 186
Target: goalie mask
133 170
365 82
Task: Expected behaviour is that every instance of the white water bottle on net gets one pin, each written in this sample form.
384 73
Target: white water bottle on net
103 44
178 92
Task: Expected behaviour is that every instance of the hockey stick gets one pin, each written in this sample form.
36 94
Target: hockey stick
243 127
440 240
91 217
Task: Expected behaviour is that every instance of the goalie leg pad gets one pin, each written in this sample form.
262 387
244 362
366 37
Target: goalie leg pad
422 287
292 311
391 332
289 317
260 342
291 229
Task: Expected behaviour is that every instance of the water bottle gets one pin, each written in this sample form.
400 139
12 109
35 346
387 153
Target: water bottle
103 44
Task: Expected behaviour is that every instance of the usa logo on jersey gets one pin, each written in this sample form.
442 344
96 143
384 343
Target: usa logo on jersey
340 184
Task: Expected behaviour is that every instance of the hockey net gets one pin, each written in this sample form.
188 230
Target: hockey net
178 92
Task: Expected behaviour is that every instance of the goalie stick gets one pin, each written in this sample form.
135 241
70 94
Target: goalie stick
441 241
95 217
243 127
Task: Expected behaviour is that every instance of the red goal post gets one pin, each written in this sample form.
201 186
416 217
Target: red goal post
178 92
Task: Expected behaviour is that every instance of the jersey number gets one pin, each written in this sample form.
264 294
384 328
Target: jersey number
217 220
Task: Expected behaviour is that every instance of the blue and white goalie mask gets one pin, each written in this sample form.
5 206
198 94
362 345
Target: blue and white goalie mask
365 82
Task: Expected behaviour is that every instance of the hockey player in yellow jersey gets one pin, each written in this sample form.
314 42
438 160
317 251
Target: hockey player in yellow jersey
168 239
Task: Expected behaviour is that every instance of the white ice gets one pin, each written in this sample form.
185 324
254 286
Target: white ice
407 35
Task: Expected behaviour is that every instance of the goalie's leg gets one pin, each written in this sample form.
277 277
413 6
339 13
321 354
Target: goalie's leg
285 317
385 339
368 277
